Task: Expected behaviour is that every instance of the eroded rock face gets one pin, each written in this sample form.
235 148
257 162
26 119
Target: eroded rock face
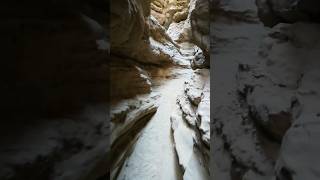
169 11
258 116
128 118
301 77
66 148
200 60
200 19
160 37
200 25
191 126
138 35
123 87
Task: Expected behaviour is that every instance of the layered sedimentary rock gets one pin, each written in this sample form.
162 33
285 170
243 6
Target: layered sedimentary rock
194 29
259 117
169 11
135 34
128 118
146 38
124 87
140 49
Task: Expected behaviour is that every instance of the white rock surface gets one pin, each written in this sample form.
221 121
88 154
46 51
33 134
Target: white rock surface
194 87
203 113
191 128
183 137
153 156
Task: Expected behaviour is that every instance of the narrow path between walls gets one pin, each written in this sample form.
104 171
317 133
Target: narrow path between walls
154 155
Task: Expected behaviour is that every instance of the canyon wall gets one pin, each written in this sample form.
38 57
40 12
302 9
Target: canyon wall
55 88
272 12
265 89
150 44
200 29
169 11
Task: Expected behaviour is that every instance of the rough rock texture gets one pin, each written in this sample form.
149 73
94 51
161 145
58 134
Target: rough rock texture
190 124
169 11
70 148
200 19
236 147
153 155
137 35
203 114
273 12
298 53
140 49
200 25
145 39
128 117
180 31
264 104
194 29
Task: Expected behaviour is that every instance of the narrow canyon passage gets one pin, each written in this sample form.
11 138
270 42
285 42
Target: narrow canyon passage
160 115
154 156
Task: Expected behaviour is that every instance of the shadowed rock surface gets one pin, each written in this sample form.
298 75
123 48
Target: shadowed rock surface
55 90
262 109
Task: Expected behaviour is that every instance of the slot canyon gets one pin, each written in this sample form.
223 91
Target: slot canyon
93 85
160 95
121 90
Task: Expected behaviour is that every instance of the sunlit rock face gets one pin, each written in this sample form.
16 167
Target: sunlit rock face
261 118
169 11
135 34
137 39
138 36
